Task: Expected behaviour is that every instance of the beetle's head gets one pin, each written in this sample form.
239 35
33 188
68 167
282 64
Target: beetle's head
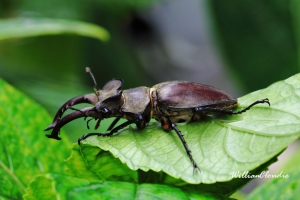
107 103
110 107
109 99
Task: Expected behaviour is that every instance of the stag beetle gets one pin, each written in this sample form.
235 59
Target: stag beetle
168 102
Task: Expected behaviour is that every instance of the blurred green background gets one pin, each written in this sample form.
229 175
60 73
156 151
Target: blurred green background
237 46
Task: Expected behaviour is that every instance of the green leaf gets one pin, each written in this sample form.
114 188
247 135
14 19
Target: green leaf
220 146
258 39
20 28
25 149
284 187
229 187
93 163
62 187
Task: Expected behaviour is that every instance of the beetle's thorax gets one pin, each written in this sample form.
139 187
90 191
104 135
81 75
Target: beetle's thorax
136 103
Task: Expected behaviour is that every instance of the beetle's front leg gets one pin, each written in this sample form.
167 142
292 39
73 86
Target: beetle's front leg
138 120
121 126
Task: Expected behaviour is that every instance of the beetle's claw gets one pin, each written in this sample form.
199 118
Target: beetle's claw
90 134
196 170
81 138
266 100
85 136
53 136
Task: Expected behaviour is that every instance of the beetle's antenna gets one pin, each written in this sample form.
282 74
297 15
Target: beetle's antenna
88 70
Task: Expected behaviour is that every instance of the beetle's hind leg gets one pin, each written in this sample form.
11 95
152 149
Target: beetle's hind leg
266 100
230 112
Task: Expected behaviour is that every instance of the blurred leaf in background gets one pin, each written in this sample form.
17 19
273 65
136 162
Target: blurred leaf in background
51 68
258 40
152 41
24 150
21 57
279 188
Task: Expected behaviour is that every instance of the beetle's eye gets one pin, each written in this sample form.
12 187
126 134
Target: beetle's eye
105 110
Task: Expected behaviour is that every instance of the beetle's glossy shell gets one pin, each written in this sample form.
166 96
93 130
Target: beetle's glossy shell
182 94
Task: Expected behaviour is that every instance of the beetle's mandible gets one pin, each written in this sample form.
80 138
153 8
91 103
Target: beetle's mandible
168 102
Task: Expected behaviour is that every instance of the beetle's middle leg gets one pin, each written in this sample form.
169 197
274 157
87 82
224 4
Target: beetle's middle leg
172 126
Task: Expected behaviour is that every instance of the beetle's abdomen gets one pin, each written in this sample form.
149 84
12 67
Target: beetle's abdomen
181 94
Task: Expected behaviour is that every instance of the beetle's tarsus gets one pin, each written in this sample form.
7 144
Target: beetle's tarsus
88 135
196 169
91 134
266 100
